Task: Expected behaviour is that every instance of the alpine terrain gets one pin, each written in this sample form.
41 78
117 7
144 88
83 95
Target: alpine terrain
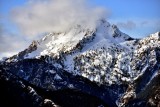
84 67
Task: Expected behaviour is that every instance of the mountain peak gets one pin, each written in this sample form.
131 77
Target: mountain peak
78 36
101 58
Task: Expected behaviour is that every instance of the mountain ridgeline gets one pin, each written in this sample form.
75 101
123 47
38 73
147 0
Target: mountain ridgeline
85 67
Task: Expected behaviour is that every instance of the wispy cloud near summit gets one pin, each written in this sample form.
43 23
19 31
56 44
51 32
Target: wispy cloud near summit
55 15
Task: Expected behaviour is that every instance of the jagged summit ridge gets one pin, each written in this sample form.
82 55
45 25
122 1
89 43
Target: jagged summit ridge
54 43
97 48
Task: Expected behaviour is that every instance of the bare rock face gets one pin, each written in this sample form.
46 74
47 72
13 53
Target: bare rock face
86 67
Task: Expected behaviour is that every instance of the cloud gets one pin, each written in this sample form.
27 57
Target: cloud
41 16
10 43
37 17
144 23
154 23
1 28
138 27
129 25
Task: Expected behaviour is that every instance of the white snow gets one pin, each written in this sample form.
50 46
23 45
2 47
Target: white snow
57 65
96 59
52 71
142 72
57 77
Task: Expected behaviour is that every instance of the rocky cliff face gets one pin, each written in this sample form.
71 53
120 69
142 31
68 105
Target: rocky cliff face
83 65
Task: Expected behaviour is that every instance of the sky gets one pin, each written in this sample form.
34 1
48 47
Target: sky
137 18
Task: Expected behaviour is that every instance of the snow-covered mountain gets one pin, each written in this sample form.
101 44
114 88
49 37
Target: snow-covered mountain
103 62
